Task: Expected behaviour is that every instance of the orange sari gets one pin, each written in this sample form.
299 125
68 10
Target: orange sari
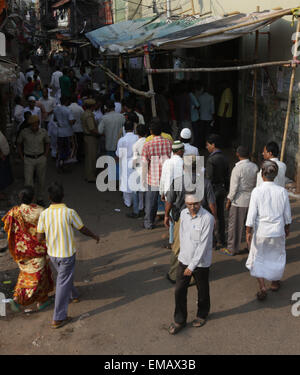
35 278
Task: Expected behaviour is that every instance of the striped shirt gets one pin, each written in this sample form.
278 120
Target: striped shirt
154 154
57 222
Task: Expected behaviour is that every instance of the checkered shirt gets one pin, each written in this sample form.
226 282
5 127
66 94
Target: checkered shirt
154 153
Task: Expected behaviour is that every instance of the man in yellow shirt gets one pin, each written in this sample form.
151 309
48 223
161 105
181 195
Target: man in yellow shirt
55 226
225 113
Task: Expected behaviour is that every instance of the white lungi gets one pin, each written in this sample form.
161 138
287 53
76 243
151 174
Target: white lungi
267 257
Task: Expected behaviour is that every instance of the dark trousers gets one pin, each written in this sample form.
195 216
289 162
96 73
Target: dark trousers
79 146
220 194
197 133
236 224
201 276
151 204
225 130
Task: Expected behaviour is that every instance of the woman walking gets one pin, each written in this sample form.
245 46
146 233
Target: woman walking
35 279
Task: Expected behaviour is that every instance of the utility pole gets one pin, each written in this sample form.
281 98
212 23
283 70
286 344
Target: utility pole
168 8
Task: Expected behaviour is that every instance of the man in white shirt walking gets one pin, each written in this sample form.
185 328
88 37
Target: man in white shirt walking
124 153
267 226
77 112
138 197
242 182
49 104
55 83
271 152
195 257
65 121
33 109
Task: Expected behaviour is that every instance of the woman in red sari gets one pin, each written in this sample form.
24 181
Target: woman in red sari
35 279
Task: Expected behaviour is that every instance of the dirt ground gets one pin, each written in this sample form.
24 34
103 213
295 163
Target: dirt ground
127 303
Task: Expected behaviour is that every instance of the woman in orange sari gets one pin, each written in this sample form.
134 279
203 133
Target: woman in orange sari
35 279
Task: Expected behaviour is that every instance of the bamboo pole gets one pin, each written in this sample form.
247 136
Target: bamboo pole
150 81
286 125
121 76
255 93
120 82
193 7
285 63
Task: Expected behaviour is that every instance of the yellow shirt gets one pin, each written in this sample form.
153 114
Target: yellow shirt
164 135
226 98
57 222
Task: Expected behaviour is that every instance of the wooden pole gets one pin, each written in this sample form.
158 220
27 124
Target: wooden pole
150 81
121 76
286 63
193 7
286 125
255 93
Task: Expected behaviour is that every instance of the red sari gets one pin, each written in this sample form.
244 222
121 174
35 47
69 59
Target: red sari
35 278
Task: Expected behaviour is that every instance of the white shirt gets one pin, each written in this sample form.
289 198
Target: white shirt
98 116
171 169
125 152
35 111
77 111
4 146
242 182
63 115
196 239
20 83
269 210
55 79
49 105
280 178
18 114
29 74
141 118
207 106
190 150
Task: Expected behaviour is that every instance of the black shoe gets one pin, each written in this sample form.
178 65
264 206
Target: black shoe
132 215
169 278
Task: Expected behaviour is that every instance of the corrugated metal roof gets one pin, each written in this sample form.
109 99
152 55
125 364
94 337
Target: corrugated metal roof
129 36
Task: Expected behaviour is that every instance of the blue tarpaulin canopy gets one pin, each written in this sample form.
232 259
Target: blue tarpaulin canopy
190 32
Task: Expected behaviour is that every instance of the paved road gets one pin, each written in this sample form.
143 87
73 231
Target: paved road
127 303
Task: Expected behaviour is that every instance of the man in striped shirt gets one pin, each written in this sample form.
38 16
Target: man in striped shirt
154 154
56 225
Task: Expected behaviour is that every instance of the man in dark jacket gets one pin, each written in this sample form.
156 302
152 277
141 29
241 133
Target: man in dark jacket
217 171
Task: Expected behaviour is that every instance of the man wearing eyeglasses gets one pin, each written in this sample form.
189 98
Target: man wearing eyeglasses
195 257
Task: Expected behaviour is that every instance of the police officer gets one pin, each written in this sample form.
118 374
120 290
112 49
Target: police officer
33 147
90 140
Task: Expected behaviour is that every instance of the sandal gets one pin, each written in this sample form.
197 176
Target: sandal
175 328
261 295
275 286
225 251
60 323
198 322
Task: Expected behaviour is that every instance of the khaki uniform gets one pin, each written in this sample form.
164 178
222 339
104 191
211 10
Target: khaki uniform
34 159
88 123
